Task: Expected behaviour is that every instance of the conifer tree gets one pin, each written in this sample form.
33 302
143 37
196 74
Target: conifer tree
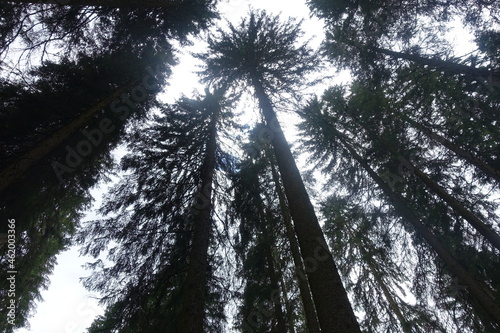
163 263
326 137
265 247
73 27
261 53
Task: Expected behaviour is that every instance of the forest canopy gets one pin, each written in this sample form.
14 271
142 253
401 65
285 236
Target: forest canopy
279 197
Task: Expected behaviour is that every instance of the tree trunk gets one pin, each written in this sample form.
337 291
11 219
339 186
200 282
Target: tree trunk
332 304
192 309
104 3
273 276
479 291
457 206
15 170
447 66
288 306
466 155
305 291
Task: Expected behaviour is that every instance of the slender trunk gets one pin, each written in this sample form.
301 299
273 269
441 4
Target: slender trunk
104 3
273 276
457 206
464 154
334 310
15 170
192 309
305 291
478 290
473 220
380 281
288 306
447 66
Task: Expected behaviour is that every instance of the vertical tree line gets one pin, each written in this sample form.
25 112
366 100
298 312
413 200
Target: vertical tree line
211 226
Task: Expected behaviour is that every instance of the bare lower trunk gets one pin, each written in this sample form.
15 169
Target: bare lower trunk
273 276
288 306
334 310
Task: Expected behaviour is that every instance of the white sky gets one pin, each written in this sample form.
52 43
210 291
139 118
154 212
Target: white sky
67 306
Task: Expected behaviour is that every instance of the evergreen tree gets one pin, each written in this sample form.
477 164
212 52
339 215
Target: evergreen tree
326 140
94 26
365 243
162 276
263 213
48 197
57 132
261 53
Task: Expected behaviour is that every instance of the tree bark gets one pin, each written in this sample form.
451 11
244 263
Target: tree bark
334 310
305 292
15 170
479 291
273 276
465 155
192 309
288 306
103 3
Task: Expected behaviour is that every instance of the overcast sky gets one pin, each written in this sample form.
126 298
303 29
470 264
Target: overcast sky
67 306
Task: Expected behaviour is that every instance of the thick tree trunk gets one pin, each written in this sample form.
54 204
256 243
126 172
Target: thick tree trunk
447 66
305 292
104 3
15 170
334 310
192 308
479 291
465 155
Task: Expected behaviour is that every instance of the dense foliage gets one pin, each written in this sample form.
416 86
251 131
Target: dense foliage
211 224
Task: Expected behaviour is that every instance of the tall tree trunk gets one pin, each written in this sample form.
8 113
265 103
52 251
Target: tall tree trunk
305 292
464 154
15 170
192 309
334 310
457 206
288 306
450 67
479 291
104 3
273 275
380 281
